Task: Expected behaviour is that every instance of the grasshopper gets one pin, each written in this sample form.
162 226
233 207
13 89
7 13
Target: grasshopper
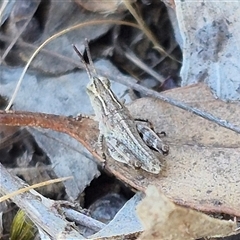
117 127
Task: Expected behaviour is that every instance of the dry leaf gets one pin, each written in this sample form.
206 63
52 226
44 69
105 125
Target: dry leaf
67 95
202 168
44 24
103 7
163 219
209 45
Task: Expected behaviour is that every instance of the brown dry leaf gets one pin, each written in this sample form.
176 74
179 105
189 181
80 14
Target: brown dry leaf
163 219
202 168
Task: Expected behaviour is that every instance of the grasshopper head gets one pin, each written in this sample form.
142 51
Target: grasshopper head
99 85
99 89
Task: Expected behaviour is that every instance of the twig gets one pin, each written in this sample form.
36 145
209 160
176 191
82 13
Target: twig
133 58
176 103
83 219
35 206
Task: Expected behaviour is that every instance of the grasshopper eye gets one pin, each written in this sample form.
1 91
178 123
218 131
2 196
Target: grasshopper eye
91 88
105 81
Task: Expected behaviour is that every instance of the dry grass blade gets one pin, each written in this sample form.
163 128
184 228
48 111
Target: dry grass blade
138 62
54 37
25 189
39 209
145 29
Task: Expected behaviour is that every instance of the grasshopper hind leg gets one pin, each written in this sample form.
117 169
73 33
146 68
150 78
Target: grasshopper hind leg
100 146
118 152
152 139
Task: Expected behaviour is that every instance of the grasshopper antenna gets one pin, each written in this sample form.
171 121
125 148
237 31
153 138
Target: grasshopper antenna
89 67
83 61
89 56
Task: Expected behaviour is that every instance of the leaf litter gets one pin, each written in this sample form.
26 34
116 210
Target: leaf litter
201 170
163 219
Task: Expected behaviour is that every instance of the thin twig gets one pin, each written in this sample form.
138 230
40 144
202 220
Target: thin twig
176 103
83 220
133 58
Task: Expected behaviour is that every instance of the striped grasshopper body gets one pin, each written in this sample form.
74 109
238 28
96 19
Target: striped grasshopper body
118 128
